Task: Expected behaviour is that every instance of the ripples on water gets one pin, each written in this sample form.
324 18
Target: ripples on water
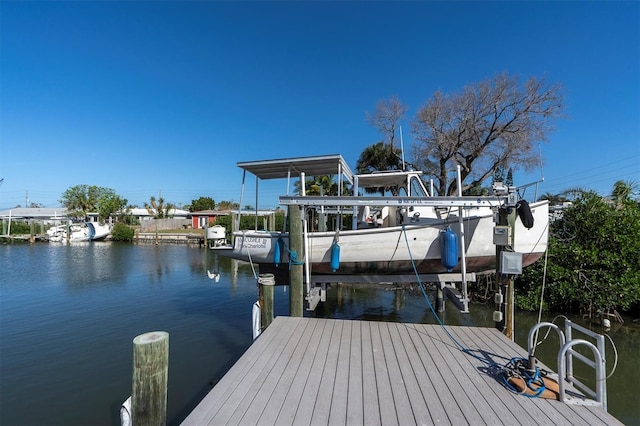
69 314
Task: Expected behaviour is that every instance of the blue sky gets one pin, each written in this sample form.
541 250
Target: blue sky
165 97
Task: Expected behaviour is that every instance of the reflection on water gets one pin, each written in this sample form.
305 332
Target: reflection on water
69 314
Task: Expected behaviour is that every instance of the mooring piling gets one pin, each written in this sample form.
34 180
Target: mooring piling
150 377
296 287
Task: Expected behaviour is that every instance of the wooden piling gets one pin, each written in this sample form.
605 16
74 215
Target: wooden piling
266 283
296 287
506 217
150 376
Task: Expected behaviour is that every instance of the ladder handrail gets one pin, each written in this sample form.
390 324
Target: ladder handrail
598 364
535 328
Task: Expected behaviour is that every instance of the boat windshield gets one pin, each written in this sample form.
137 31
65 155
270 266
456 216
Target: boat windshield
417 187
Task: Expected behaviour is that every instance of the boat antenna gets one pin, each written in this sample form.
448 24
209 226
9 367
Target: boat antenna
541 171
402 148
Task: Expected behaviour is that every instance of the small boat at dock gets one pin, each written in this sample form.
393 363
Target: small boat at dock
87 231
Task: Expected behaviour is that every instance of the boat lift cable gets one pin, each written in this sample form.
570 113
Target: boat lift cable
253 269
544 282
424 293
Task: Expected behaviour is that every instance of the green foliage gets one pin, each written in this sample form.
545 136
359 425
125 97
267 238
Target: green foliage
111 204
321 185
248 222
20 228
202 203
228 205
122 232
593 259
379 157
82 199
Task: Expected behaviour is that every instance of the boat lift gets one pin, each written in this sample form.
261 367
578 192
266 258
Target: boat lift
336 165
505 197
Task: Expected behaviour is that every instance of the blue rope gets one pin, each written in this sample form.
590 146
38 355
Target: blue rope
516 368
424 293
507 370
293 256
293 259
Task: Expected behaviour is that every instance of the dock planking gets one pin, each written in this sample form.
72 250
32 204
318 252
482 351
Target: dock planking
303 371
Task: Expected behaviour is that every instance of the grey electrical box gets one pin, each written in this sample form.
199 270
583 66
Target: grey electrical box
501 235
510 263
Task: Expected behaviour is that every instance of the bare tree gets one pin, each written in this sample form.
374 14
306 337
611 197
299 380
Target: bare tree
386 118
491 124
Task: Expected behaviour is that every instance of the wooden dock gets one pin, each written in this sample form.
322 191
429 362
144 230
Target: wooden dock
305 371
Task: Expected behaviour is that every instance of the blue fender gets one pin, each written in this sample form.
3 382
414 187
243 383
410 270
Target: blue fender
448 249
335 256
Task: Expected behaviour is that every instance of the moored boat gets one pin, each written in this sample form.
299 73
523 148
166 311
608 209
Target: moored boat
389 234
87 231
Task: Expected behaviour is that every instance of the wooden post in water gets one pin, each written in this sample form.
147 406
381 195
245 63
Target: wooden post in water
234 227
510 331
150 374
206 229
266 283
32 231
296 287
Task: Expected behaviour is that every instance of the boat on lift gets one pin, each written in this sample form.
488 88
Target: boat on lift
390 234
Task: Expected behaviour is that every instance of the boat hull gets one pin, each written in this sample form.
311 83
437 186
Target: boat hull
396 250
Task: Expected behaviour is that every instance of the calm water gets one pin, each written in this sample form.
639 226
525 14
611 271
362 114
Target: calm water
69 313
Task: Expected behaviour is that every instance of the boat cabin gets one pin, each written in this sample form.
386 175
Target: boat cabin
395 183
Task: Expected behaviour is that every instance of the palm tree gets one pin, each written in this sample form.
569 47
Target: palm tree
379 157
554 199
321 185
624 190
376 158
158 209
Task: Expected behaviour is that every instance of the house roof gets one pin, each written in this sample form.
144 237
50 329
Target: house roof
34 212
211 213
228 212
172 212
310 166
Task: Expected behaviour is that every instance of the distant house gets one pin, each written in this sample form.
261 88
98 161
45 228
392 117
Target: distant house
206 218
143 214
46 214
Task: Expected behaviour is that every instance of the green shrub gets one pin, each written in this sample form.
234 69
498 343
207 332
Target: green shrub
20 228
122 232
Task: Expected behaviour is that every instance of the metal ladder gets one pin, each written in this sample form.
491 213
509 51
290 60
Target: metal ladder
567 354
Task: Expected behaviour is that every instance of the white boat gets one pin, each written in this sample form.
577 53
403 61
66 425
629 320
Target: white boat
88 231
98 231
387 234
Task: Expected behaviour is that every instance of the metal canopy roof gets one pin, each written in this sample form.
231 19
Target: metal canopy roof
311 166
